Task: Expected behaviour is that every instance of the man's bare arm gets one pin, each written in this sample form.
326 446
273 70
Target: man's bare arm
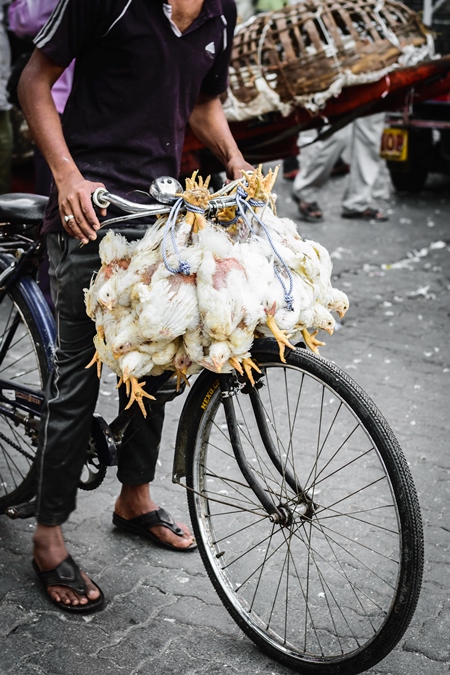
210 125
39 109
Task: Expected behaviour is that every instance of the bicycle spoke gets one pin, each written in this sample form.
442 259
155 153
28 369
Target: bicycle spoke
19 365
318 580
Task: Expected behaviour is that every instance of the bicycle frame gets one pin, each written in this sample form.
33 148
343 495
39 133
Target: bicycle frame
24 405
229 384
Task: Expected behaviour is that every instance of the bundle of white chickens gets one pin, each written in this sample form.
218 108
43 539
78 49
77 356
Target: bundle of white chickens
195 292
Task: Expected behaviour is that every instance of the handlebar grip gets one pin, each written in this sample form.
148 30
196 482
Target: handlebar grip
99 198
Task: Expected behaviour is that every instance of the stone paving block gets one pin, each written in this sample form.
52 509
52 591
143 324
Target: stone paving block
193 612
141 642
432 639
404 663
17 649
133 608
237 655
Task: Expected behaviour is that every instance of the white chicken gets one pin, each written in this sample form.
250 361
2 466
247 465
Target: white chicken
220 279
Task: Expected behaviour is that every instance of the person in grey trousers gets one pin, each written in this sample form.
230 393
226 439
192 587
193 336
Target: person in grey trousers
362 140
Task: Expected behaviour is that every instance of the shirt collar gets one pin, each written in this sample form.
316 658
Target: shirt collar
210 9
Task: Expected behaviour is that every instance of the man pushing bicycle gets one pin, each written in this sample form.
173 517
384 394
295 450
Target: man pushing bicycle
143 71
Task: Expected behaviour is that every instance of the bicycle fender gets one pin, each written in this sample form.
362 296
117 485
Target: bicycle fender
199 396
38 307
42 315
203 382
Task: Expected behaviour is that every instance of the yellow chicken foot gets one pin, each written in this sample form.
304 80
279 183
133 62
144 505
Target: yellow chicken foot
137 394
280 336
199 223
311 342
96 359
248 365
233 361
120 383
181 376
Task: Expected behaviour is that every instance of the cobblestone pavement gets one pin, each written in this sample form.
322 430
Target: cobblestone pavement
163 616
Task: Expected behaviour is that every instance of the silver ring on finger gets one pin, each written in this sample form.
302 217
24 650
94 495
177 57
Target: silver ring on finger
69 217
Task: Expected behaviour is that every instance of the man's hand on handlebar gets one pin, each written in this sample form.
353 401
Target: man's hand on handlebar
234 167
75 207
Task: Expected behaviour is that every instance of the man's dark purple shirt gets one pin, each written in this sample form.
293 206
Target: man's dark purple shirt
135 85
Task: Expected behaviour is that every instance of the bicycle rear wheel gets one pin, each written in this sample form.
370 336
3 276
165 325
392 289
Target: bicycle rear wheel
23 361
332 590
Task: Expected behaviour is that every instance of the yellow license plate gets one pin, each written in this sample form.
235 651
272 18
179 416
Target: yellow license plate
394 145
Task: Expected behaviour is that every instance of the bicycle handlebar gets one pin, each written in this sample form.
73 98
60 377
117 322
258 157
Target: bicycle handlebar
102 198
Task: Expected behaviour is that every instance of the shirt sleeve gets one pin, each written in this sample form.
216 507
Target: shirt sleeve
26 17
216 81
74 26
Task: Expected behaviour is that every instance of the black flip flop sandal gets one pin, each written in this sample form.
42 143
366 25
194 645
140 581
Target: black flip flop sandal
368 215
68 574
310 211
141 524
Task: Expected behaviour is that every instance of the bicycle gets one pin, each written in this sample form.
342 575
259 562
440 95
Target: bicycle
301 500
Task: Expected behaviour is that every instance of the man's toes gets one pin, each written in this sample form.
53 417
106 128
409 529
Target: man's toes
185 529
92 591
169 537
66 596
61 595
54 594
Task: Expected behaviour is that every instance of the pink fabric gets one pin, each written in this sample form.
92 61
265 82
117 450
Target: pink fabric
26 18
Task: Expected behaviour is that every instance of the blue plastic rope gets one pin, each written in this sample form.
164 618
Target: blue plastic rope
227 223
244 205
184 267
193 208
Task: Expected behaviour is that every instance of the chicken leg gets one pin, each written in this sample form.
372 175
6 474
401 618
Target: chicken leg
137 394
311 342
249 364
280 336
181 377
96 359
234 362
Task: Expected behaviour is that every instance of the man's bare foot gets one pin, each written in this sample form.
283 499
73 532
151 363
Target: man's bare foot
135 500
48 552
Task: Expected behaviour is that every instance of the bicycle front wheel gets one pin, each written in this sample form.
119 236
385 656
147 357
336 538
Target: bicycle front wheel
332 588
23 361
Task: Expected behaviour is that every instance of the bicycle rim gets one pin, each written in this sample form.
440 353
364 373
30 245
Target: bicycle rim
23 362
334 588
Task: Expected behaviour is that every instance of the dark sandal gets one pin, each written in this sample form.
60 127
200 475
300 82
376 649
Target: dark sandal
310 211
68 574
368 214
141 524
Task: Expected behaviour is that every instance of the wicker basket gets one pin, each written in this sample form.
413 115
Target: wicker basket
301 49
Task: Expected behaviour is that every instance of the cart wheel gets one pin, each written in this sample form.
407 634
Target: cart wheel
411 176
412 180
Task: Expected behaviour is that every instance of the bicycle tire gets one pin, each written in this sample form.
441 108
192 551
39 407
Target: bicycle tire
339 592
23 358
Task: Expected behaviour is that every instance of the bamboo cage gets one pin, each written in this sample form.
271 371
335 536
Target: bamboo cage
302 49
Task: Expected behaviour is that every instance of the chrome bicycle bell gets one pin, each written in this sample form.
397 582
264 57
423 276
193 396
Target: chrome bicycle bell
165 189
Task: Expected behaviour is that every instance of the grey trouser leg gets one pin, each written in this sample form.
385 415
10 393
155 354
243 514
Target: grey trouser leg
317 161
365 162
73 390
